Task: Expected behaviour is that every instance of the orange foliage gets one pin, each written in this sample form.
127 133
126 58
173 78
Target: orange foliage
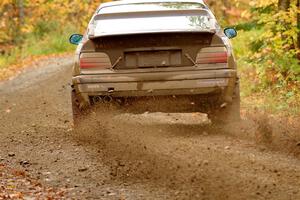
20 17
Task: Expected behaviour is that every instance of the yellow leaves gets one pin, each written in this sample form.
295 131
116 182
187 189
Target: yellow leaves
262 3
246 14
61 12
5 2
27 28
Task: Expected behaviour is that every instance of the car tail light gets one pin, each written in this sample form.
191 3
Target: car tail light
94 60
211 55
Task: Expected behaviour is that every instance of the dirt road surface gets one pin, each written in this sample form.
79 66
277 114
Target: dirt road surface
125 156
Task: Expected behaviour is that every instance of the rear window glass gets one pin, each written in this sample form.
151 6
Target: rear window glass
150 7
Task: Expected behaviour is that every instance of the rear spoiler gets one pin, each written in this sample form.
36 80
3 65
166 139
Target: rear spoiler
93 37
155 13
149 14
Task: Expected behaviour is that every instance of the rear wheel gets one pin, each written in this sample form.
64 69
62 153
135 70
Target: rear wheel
229 112
76 111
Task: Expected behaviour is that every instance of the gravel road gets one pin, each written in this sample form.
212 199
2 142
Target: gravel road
123 156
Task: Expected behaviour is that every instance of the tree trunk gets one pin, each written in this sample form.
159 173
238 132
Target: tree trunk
298 25
19 6
284 4
21 12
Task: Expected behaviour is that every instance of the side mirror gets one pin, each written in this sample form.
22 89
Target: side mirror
75 39
230 32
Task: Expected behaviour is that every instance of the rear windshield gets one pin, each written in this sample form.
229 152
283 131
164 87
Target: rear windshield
150 7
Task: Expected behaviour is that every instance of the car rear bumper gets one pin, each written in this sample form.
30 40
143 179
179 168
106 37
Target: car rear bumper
155 83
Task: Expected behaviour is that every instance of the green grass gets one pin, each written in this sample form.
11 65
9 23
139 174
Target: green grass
272 98
241 45
52 42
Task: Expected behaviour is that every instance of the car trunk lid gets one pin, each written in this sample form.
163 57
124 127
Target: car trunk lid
153 50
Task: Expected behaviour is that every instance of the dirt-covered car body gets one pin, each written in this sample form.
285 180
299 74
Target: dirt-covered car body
153 48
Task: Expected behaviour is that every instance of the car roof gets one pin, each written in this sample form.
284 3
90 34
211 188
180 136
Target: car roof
126 2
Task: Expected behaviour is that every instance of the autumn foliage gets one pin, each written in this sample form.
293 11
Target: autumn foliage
21 17
275 52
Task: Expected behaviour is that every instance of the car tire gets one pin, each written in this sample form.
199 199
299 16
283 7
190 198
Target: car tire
229 113
76 111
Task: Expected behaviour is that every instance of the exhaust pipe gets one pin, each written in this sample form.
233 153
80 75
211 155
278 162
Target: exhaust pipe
107 99
97 99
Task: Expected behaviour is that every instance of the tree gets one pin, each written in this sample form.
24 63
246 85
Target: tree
276 50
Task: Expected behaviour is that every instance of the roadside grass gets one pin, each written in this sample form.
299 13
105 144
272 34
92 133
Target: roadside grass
277 99
52 42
